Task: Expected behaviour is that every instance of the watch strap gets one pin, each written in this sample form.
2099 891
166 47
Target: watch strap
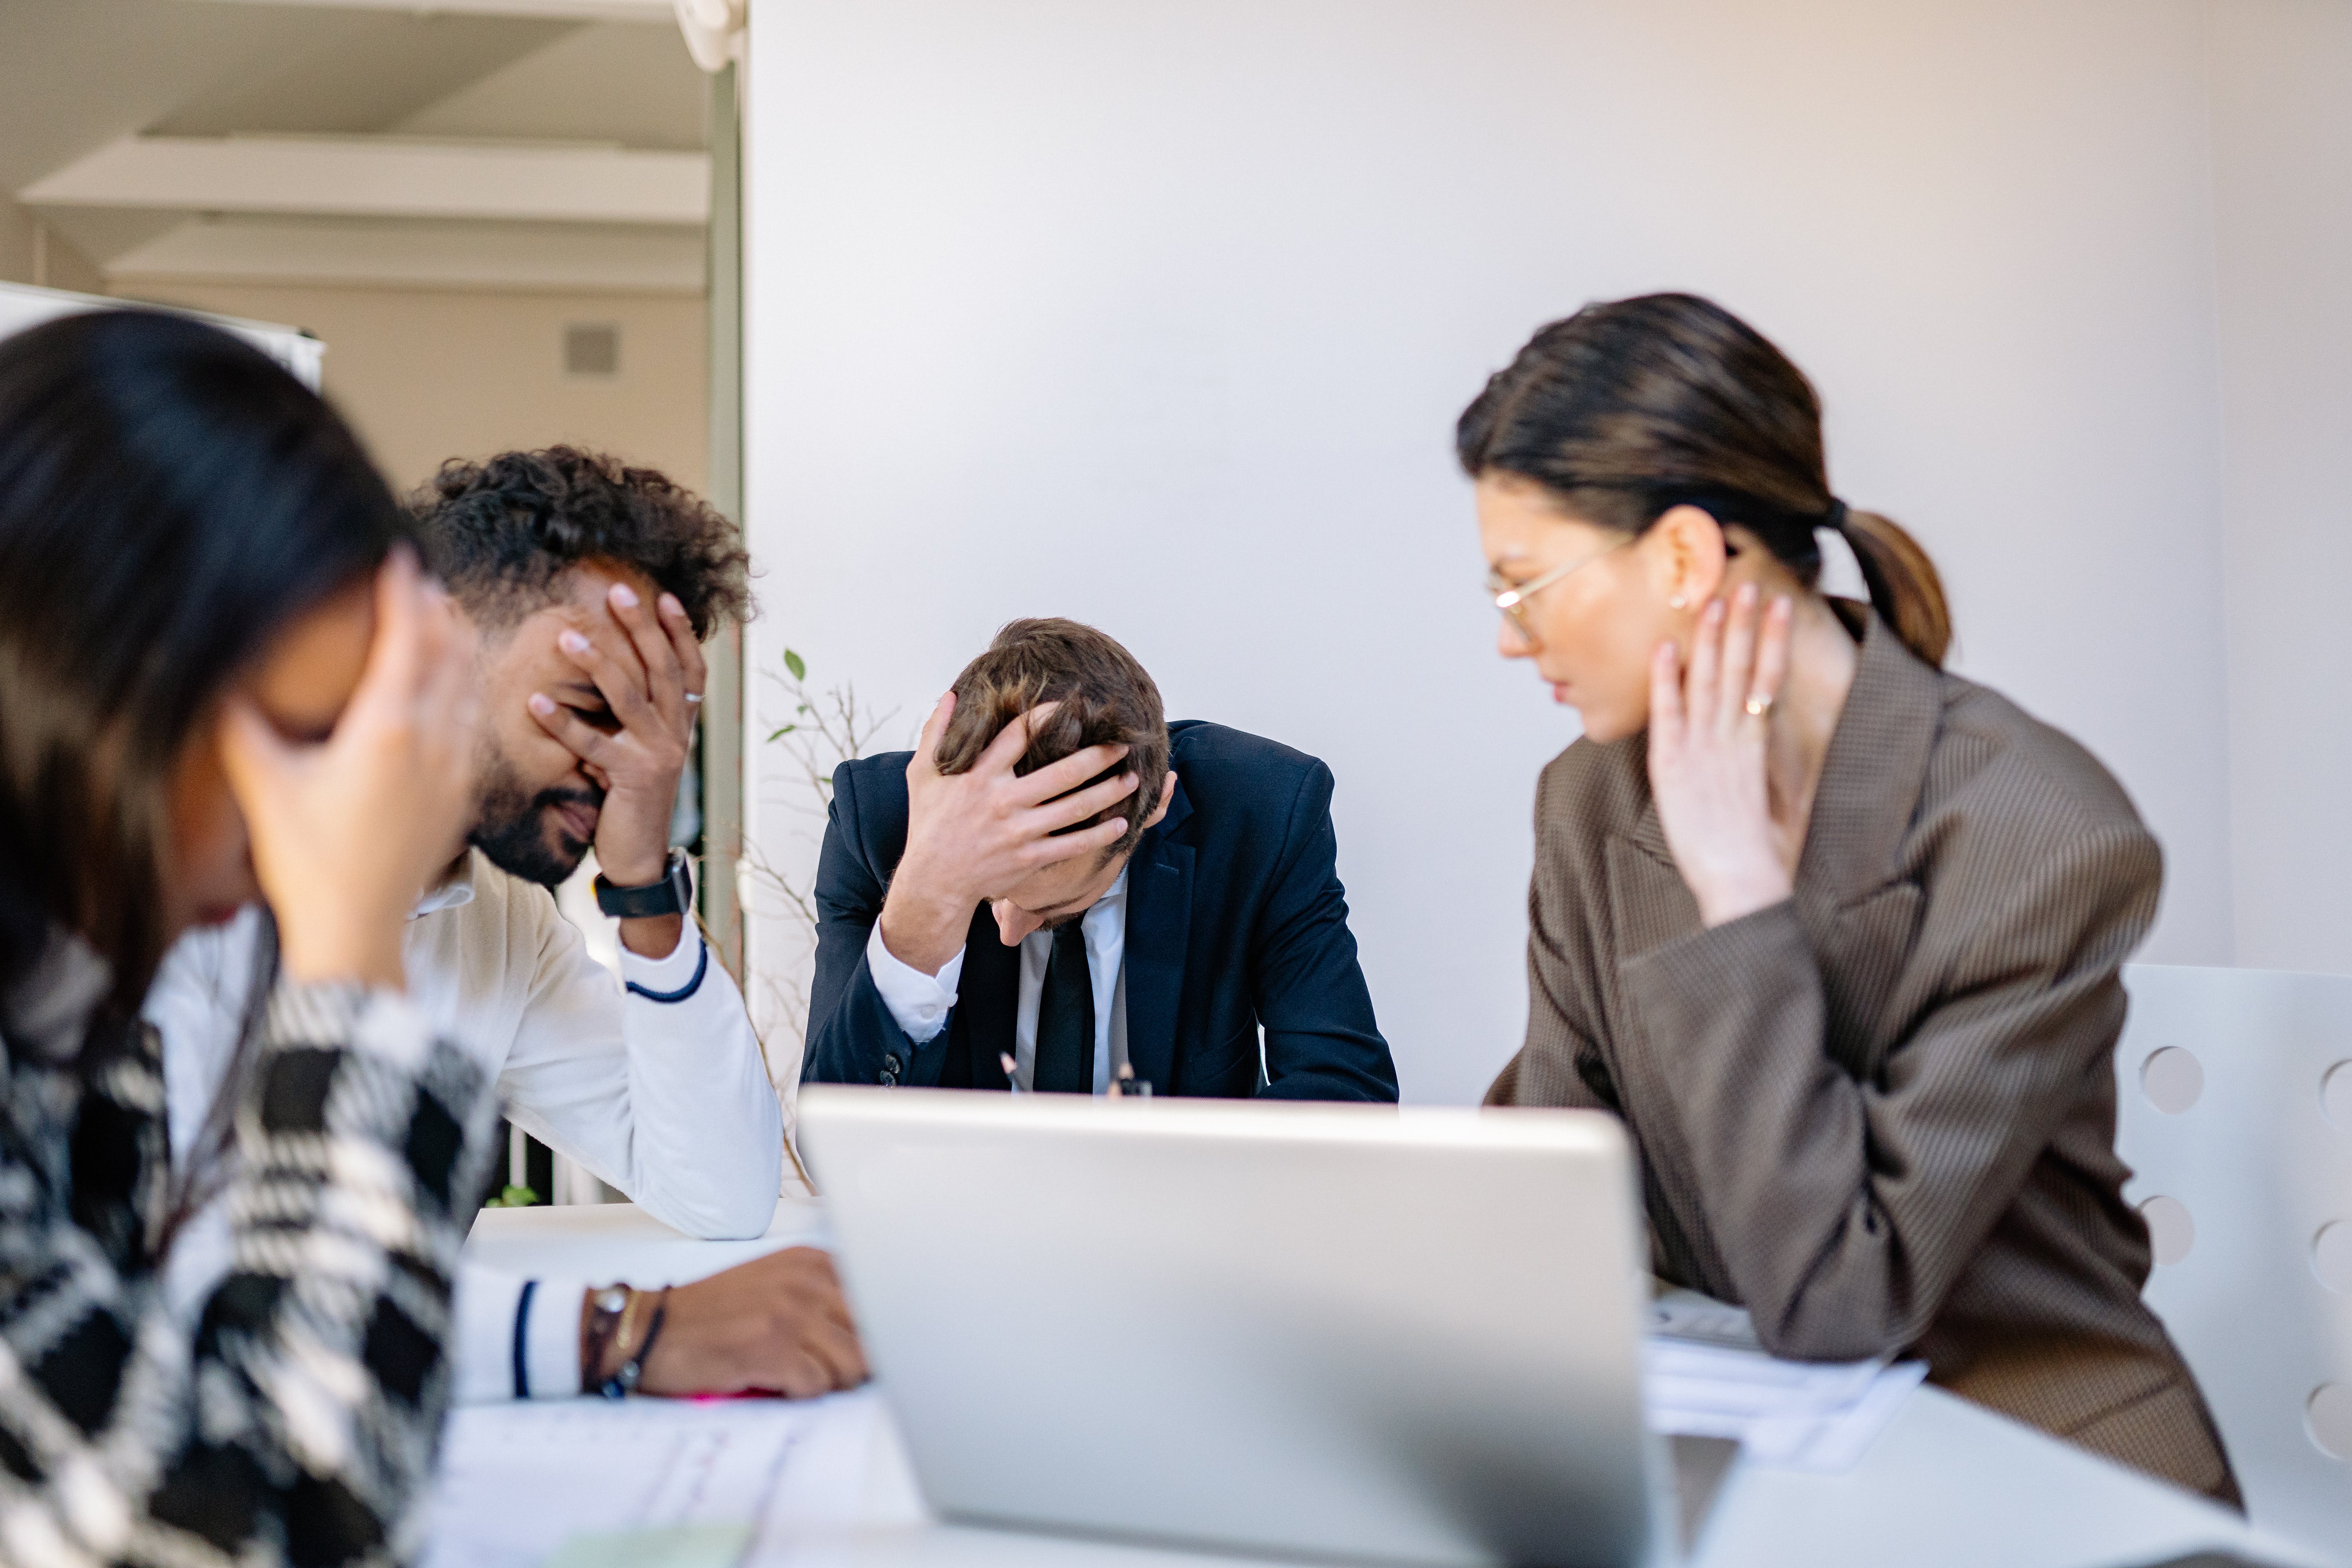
673 895
604 1309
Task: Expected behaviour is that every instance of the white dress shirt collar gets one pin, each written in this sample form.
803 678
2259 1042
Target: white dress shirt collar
454 891
920 1003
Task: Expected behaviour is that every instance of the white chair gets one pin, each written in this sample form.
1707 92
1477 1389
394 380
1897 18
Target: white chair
2235 1114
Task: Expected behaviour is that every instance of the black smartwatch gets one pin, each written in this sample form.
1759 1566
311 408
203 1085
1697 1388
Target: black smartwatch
673 895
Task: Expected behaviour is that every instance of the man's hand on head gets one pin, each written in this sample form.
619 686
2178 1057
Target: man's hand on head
974 835
645 663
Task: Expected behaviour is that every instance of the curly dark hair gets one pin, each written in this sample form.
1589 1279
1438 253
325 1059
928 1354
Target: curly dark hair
501 532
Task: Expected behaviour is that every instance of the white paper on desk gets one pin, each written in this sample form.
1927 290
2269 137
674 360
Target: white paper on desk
515 1481
1798 1415
1688 1315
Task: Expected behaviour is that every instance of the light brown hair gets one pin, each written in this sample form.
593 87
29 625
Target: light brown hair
1628 409
1104 698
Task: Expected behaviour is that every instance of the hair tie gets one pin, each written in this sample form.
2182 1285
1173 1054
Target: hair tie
1834 519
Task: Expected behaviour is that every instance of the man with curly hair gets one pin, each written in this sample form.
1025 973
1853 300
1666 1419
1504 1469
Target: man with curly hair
591 586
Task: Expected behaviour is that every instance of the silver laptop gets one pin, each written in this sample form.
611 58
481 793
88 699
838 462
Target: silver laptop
1337 1332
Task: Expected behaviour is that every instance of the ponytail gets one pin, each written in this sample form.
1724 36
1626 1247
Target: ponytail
1904 587
1629 408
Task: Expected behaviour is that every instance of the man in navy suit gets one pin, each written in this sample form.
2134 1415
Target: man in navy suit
1060 891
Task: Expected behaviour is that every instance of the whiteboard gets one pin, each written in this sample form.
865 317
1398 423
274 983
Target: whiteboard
23 306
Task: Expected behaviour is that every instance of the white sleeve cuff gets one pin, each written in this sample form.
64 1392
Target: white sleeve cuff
551 1338
501 1332
919 1003
670 975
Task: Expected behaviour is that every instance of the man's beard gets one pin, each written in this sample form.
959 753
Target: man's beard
515 827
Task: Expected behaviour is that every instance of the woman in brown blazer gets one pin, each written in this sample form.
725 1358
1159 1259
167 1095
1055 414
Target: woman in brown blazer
1834 931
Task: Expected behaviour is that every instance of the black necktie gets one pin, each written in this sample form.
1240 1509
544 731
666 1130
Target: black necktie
1065 1018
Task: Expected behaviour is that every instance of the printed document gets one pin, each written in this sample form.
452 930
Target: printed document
1703 1377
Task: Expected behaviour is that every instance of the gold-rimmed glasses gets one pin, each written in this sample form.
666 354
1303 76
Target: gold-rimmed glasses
1511 598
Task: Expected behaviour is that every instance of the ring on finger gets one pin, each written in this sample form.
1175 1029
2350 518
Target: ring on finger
1759 706
694 696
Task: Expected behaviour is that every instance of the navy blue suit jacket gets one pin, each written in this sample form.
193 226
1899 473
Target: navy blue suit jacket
1236 919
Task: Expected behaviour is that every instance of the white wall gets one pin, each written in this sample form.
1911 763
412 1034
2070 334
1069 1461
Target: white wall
1160 316
2283 144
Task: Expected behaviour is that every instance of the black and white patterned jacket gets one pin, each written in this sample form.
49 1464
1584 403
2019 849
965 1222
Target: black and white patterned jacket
290 1413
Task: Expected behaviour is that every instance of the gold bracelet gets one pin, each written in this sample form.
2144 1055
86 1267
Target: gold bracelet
628 1317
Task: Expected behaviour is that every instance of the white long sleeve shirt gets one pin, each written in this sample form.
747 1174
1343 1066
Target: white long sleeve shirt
919 1003
660 1089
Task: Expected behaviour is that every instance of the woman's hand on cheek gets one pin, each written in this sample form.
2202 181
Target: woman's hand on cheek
348 832
1708 729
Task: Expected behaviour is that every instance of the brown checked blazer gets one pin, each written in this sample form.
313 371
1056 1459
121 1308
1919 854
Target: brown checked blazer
1881 1114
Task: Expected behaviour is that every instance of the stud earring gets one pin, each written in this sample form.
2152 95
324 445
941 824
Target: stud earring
1676 602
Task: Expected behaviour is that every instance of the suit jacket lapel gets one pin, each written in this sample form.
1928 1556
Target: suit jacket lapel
1876 768
1863 917
1158 925
1649 900
988 994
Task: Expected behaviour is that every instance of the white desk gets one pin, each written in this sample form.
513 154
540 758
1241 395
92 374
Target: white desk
1947 1483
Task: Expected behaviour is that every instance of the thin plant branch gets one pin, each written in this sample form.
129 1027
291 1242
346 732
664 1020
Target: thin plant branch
822 730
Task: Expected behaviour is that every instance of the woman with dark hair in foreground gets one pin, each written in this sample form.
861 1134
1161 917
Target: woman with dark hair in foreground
221 678
1837 933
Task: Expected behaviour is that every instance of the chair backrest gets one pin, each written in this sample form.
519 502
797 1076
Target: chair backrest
2235 1114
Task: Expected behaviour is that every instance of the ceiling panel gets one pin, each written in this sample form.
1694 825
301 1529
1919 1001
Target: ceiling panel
612 81
576 10
371 79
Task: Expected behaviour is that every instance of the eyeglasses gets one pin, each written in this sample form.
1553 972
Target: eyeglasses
1511 598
